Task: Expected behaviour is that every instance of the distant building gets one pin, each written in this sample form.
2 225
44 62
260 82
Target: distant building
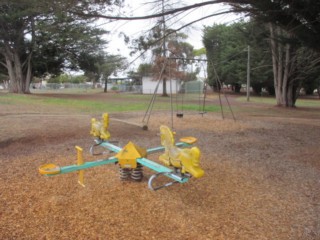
149 85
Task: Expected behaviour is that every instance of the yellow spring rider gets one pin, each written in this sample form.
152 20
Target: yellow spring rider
181 163
100 129
187 159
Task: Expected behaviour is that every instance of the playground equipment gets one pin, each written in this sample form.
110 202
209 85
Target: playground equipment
100 129
181 162
201 90
185 159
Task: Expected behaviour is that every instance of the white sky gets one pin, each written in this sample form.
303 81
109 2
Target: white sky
139 27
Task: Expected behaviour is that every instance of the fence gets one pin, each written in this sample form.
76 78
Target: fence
86 86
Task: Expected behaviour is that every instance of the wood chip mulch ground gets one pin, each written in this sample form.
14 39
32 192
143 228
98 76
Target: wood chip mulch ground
262 181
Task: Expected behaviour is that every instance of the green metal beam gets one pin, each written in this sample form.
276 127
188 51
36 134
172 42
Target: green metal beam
159 149
74 168
161 169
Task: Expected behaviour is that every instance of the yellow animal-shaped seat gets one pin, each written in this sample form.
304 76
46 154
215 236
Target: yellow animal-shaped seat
187 159
100 129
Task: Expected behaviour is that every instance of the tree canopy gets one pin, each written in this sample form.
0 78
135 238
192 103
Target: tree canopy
36 36
293 29
301 18
227 47
41 36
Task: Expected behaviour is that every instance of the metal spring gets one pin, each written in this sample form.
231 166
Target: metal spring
137 173
124 173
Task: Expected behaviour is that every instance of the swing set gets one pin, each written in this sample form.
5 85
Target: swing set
182 90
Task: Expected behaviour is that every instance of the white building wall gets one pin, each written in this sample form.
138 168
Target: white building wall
149 86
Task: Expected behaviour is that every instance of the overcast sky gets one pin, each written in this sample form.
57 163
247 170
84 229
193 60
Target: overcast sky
139 27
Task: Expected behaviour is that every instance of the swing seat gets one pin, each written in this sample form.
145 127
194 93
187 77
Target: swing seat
180 115
202 113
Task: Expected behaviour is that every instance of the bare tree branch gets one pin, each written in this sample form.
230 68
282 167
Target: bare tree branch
3 64
178 29
169 12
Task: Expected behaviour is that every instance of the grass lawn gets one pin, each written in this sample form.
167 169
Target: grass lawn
272 101
86 102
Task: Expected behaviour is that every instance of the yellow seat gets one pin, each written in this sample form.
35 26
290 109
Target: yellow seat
189 140
49 169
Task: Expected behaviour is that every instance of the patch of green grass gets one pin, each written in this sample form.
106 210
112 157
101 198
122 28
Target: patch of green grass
133 102
80 105
13 98
272 101
264 100
117 103
308 103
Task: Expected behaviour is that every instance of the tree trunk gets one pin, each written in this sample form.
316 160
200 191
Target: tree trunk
164 88
283 65
13 87
28 77
105 86
274 63
292 95
286 87
19 82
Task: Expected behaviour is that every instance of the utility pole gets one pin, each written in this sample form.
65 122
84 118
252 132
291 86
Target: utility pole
164 80
163 31
248 75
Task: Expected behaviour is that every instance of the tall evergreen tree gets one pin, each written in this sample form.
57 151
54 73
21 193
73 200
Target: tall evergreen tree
299 18
32 31
292 25
227 46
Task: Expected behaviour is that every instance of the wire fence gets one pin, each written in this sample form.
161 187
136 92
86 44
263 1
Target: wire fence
85 87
